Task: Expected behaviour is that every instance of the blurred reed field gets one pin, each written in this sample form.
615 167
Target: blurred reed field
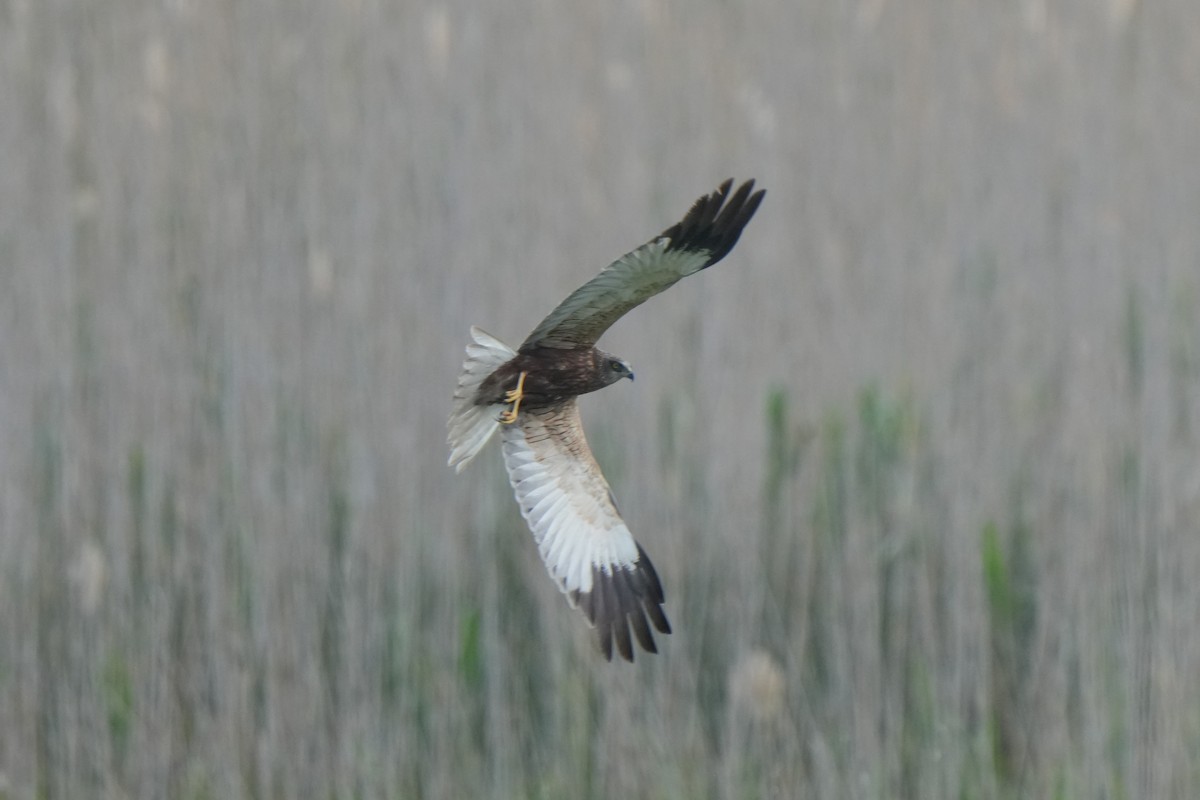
918 463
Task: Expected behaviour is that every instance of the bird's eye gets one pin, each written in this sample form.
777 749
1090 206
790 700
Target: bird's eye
616 366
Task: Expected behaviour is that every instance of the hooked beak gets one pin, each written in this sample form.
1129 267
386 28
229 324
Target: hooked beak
630 376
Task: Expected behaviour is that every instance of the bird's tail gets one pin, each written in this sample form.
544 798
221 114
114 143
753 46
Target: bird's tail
471 425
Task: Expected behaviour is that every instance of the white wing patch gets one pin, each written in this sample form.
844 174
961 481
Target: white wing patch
565 499
582 539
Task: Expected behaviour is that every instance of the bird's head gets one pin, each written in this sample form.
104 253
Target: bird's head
612 369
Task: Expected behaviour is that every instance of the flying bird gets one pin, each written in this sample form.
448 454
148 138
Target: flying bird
529 395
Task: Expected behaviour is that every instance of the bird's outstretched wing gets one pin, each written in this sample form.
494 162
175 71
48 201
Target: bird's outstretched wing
582 539
703 237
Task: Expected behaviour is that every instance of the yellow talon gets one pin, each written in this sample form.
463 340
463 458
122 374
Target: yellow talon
515 396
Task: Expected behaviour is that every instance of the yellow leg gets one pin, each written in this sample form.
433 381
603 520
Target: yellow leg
508 417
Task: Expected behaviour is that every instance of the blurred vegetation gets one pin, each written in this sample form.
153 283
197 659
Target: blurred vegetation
918 463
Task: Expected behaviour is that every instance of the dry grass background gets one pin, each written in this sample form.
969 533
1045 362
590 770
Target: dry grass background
918 463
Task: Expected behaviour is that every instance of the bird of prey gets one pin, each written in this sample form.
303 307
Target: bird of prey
529 395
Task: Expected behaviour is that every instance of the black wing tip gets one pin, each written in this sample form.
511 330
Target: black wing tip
621 599
715 221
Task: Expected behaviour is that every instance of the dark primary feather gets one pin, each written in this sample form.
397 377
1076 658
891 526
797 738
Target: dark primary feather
709 227
622 597
703 237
